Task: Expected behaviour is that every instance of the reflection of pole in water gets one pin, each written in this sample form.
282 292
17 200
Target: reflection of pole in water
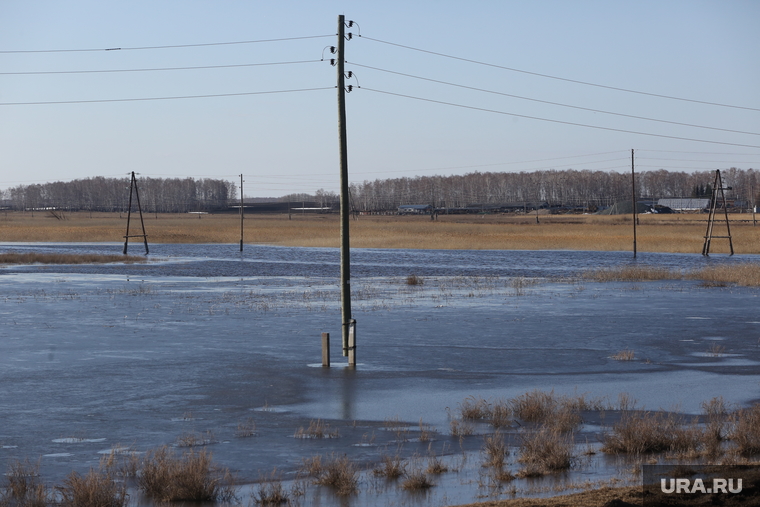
348 394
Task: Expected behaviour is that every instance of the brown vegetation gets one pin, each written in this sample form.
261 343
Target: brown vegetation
38 258
192 476
656 233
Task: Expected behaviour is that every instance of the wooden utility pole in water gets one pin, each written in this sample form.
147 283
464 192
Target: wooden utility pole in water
345 256
241 212
633 201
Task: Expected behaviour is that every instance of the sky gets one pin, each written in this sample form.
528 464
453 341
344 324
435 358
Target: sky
439 88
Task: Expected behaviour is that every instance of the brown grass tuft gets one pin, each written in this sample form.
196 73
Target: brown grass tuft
270 491
340 474
545 451
624 355
317 429
192 476
745 433
96 489
23 486
390 467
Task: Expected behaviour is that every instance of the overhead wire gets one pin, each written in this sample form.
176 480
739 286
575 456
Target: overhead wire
95 71
554 103
548 76
557 121
173 46
137 99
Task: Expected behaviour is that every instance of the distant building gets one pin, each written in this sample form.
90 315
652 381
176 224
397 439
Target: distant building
685 204
415 209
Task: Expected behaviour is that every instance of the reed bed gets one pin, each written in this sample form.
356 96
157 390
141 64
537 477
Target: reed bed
744 273
676 233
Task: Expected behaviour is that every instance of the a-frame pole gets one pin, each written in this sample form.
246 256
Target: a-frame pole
139 208
633 202
129 212
345 260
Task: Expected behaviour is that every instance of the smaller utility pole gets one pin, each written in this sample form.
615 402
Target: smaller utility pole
633 202
241 212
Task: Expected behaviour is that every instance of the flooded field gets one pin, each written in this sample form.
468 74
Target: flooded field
202 340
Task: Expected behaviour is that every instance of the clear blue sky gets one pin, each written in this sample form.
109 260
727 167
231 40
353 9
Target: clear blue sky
287 142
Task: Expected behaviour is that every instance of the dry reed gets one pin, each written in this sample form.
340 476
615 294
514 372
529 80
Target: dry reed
339 473
23 486
682 234
39 258
95 489
545 451
192 476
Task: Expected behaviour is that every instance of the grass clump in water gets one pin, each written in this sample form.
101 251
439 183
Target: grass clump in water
545 451
192 476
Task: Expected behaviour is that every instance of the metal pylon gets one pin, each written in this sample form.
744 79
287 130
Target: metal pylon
717 187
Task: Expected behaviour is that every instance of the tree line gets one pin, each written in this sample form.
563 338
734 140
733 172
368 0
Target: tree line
578 188
157 195
574 188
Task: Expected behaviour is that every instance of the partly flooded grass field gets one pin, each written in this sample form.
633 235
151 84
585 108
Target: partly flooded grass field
203 347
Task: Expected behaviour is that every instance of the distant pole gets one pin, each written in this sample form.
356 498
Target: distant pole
241 212
345 259
633 202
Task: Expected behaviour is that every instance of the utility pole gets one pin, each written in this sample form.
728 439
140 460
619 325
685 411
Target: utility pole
345 255
241 212
633 201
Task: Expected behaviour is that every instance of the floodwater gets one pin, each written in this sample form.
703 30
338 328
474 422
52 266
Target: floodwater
202 338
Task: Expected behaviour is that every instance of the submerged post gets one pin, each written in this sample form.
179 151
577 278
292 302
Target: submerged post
345 253
326 350
352 343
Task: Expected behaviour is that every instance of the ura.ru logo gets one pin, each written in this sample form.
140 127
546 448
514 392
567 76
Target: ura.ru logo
698 486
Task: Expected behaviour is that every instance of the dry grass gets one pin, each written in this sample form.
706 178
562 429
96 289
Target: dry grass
495 450
339 473
624 355
23 486
317 429
246 428
38 258
270 491
675 233
390 467
544 451
192 476
95 489
414 280
651 432
745 273
745 433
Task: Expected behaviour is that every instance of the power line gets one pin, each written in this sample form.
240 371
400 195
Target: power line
560 78
162 98
154 69
555 103
558 121
138 48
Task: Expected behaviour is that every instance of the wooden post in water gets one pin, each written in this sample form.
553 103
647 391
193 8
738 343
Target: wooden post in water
352 343
325 350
